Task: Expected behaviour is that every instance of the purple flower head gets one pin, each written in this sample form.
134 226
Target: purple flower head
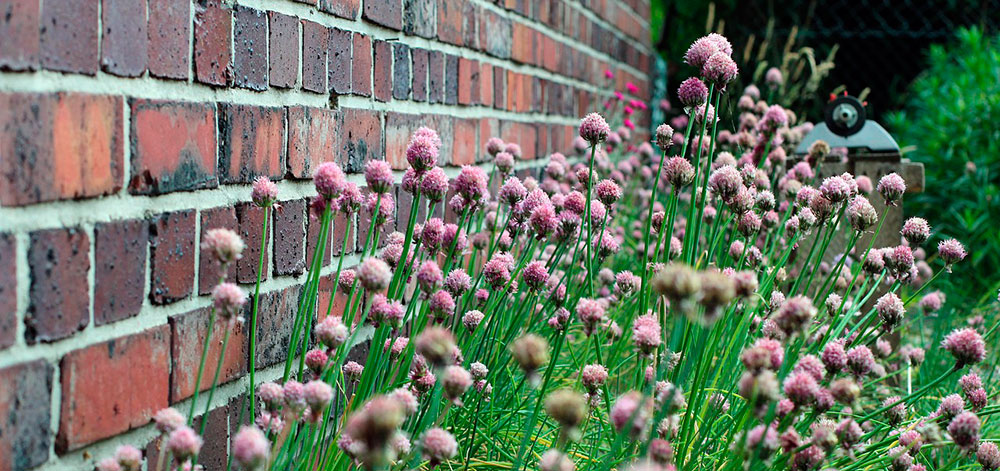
504 162
228 300
891 187
951 251
966 345
700 50
861 214
664 136
494 146
692 92
725 181
720 69
646 333
860 360
964 430
432 234
429 276
512 191
890 311
594 129
608 192
264 192
916 231
225 245
458 282
434 185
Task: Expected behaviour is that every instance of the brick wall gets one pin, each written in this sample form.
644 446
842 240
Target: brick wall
130 127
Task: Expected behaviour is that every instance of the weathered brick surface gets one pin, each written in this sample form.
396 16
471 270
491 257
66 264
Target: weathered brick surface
314 56
253 139
25 414
212 43
419 74
119 269
123 37
19 26
283 53
339 61
250 64
59 298
382 71
69 36
388 13
451 80
400 71
342 8
8 290
188 333
312 138
251 218
420 17
435 80
361 65
312 237
209 269
361 138
169 30
289 238
173 146
171 255
59 146
113 386
275 320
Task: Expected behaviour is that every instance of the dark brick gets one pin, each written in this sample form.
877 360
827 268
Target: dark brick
339 65
59 146
420 18
19 28
124 37
209 271
283 50
251 218
171 255
59 298
495 34
419 82
435 81
8 290
383 71
451 80
173 146
253 143
275 322
119 269
313 227
289 236
212 46
499 87
113 386
250 48
400 71
315 44
25 415
69 36
361 64
388 13
169 33
313 134
342 8
361 138
187 339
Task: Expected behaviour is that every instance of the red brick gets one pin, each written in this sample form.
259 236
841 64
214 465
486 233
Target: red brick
212 43
464 149
59 297
253 142
495 33
468 81
8 291
209 271
522 7
120 268
327 286
342 8
339 65
289 238
25 414
449 21
488 127
313 135
69 36
401 71
514 90
113 386
450 79
312 237
169 32
283 62
250 48
388 13
499 87
524 134
275 322
398 129
314 48
361 82
187 338
361 139
420 18
382 71
444 125
550 53
419 83
19 26
435 80
123 37
341 243
251 218
171 255
173 146
486 84
523 47
59 146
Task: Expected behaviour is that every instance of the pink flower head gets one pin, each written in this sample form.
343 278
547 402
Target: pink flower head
423 149
861 214
773 78
455 382
429 276
350 199
472 319
184 443
317 394
332 332
608 192
264 192
594 376
512 191
801 388
535 274
434 186
228 300
774 118
129 457
631 88
795 314
271 394
890 311
966 345
374 274
725 181
504 162
108 464
496 272
970 382
514 149
860 360
664 136
594 129
458 282
916 231
168 419
692 92
471 183
346 280
699 51
389 312
951 251
250 448
316 360
494 146
353 370
590 312
632 410
964 430
543 220
988 456
678 171
646 333
720 69
438 445
329 180
225 245
891 187
436 345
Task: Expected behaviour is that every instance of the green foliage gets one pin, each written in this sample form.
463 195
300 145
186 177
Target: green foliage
949 122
